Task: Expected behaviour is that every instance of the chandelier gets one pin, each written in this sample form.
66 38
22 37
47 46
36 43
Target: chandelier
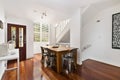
43 15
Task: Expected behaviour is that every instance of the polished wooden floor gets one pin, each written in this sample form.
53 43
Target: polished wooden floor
32 69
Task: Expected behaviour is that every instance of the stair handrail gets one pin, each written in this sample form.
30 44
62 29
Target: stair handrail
61 26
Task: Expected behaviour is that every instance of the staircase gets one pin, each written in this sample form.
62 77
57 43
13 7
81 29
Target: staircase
63 32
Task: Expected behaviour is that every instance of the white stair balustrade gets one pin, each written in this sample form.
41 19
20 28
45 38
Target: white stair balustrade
62 29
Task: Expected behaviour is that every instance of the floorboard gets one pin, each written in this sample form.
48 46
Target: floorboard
32 69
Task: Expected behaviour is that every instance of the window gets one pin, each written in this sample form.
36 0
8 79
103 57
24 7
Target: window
44 33
41 32
37 32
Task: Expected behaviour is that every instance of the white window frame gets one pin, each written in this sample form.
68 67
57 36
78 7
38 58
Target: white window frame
42 33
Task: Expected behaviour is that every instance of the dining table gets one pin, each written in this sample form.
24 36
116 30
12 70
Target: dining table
59 51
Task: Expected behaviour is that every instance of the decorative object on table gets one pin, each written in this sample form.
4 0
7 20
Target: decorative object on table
55 46
116 31
1 24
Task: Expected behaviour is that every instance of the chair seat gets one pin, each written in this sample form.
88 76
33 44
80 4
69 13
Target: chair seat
69 59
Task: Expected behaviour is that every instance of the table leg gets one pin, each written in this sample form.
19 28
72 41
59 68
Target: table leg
18 69
75 59
59 62
75 56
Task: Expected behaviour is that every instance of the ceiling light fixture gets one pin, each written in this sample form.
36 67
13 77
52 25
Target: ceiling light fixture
43 15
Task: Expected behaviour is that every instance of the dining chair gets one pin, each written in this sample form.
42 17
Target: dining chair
68 61
51 58
45 56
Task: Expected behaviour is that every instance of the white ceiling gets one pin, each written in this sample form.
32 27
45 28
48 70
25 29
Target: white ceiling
95 9
32 9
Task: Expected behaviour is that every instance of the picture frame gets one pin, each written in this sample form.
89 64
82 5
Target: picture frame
116 31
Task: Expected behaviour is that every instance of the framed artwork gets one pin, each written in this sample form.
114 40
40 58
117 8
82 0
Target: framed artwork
116 31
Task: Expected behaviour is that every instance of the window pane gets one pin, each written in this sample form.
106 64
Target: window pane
41 32
13 35
37 32
37 27
44 33
20 37
37 37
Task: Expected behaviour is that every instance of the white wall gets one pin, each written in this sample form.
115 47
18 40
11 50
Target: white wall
75 25
37 46
98 35
52 35
29 33
2 38
2 18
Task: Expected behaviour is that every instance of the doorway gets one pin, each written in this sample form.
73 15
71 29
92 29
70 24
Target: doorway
17 34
